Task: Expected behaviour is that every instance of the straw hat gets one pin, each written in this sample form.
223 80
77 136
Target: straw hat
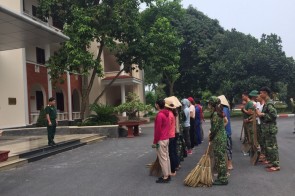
169 104
223 100
173 100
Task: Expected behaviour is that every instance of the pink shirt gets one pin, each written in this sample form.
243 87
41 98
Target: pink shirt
172 124
162 126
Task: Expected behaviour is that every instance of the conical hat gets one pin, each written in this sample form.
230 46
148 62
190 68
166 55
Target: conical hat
223 100
174 100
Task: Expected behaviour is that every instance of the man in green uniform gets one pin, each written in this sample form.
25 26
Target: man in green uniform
50 111
248 111
269 128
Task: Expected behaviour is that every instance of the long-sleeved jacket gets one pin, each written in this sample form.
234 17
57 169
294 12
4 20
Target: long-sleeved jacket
186 111
162 126
270 113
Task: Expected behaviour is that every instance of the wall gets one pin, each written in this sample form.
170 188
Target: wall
13 84
15 5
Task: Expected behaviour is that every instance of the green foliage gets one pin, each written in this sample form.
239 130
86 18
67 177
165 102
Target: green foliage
132 107
162 57
41 121
150 98
103 115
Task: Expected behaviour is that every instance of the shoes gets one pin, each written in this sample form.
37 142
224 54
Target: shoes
218 182
52 144
162 180
273 169
189 152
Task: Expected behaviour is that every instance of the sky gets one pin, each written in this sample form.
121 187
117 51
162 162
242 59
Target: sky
253 17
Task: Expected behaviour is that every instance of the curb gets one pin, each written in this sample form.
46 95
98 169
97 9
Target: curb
285 115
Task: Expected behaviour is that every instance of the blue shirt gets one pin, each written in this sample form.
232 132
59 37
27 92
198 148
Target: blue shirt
227 114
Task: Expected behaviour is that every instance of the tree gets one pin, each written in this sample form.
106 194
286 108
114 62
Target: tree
161 59
113 24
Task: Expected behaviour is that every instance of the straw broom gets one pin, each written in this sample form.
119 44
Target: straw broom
201 175
155 169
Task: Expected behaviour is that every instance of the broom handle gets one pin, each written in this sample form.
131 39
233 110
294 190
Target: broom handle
208 148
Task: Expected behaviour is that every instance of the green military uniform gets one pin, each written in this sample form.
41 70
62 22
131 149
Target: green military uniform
270 130
248 126
218 138
51 129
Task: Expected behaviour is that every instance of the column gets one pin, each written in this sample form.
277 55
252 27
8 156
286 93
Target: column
123 96
70 112
47 56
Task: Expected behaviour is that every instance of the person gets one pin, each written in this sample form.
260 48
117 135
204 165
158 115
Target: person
199 117
260 135
226 111
161 140
192 130
247 116
217 139
172 141
186 124
50 111
269 128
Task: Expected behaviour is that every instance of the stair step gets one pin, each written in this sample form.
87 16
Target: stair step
53 151
12 164
92 139
46 151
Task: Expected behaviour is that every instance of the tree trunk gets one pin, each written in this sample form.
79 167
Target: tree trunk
87 89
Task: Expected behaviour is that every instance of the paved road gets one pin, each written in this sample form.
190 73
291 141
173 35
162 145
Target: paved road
117 167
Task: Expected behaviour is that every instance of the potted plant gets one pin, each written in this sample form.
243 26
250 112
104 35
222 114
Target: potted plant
132 107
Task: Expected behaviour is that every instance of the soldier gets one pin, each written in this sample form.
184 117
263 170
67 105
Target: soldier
269 128
50 111
248 121
218 139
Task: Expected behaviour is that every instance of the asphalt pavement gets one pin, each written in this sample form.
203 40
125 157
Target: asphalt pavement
117 167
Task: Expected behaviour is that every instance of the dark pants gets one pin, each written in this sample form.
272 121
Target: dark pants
192 132
229 148
172 154
186 136
51 133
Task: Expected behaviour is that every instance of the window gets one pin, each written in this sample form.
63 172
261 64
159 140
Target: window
34 10
60 101
39 100
40 53
37 68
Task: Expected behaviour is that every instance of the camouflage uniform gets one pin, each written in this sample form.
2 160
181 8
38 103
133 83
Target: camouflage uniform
270 130
218 138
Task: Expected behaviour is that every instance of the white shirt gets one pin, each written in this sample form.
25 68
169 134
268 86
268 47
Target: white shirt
192 111
259 106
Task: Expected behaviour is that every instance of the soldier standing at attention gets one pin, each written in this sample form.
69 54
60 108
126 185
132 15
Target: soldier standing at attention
50 111
269 128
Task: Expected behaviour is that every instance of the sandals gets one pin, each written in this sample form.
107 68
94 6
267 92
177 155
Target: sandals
273 169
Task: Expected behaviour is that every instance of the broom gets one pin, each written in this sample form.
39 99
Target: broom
155 169
255 146
201 175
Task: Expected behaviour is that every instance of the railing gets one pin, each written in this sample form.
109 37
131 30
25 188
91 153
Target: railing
76 115
60 116
114 73
27 13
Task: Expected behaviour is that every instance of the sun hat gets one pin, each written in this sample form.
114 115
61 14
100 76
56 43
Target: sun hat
223 100
169 104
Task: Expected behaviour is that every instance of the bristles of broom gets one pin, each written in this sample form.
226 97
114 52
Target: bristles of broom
201 175
156 169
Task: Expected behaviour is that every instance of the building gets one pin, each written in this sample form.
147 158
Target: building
25 44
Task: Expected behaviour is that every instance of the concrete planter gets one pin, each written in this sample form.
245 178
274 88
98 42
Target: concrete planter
132 126
4 155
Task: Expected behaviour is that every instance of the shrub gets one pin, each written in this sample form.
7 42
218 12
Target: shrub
41 121
103 115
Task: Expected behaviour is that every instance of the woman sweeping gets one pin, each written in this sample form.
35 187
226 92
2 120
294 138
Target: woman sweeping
218 140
